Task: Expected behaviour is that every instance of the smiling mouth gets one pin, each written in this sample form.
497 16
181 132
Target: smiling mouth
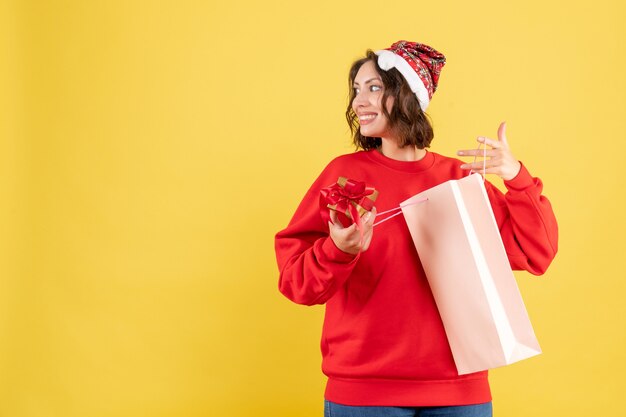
367 118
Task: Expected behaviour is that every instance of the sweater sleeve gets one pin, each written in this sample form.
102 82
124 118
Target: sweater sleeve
526 221
311 267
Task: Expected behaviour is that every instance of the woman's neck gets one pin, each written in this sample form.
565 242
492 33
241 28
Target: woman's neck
390 149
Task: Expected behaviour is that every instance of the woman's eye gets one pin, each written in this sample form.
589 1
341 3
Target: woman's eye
356 91
374 88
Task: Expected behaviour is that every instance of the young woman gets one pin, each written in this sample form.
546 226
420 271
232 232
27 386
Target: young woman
383 344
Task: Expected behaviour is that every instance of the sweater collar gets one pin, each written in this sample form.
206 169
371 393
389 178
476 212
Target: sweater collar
408 166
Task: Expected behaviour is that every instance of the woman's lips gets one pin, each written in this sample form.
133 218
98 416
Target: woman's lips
366 118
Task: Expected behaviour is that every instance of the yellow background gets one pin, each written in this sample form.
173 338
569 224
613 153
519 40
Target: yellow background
150 150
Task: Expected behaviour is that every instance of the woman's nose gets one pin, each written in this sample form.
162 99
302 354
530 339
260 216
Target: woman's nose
360 99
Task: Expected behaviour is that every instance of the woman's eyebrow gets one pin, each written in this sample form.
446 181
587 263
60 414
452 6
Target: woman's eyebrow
370 80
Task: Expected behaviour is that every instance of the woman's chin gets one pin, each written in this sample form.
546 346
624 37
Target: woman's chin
370 133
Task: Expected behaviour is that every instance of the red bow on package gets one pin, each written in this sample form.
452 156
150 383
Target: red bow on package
349 198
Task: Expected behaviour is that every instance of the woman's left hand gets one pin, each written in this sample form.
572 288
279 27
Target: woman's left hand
500 160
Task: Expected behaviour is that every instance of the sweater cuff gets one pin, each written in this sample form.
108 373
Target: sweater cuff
521 181
334 254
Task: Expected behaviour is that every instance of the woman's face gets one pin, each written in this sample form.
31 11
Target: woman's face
368 94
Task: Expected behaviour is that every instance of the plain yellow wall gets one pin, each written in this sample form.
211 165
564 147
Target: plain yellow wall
150 150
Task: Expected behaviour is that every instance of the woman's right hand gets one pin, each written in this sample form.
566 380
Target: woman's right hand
348 239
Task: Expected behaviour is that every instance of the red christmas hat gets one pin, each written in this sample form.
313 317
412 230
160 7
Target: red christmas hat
419 64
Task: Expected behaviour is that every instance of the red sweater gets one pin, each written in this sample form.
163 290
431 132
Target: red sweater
383 343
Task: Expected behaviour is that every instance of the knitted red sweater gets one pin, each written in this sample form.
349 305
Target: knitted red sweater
383 342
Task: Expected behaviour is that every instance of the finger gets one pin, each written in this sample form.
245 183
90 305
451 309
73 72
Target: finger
367 227
365 232
502 134
366 242
495 144
369 217
374 214
477 152
480 165
335 219
366 238
361 237
493 170
501 170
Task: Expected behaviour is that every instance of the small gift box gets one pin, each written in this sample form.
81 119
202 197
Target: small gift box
349 198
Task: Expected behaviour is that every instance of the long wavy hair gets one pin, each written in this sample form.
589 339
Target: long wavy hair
407 120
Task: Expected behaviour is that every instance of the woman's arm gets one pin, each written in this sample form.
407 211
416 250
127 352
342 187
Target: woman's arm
311 265
525 218
526 221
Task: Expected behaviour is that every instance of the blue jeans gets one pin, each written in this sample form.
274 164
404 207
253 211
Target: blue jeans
338 410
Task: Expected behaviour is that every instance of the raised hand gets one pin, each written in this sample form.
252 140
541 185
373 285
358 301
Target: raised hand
500 160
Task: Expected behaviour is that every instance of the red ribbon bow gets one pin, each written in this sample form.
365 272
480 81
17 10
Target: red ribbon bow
349 197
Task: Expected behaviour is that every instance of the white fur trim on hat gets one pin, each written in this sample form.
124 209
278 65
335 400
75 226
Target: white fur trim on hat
388 60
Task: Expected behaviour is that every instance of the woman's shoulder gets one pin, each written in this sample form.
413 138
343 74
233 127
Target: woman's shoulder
444 159
342 166
449 164
348 160
447 160
350 165
358 155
